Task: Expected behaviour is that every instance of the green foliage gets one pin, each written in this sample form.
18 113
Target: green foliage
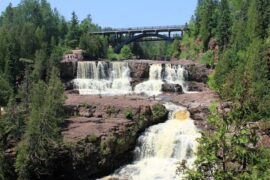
36 151
224 24
1 152
208 58
227 62
159 111
92 138
73 35
191 47
230 150
120 141
211 82
111 110
5 91
95 47
111 55
106 145
129 114
175 49
126 52
152 50
207 20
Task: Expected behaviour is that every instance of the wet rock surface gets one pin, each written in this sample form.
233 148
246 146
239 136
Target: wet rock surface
172 88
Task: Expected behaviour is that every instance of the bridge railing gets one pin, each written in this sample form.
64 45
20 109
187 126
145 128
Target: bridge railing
175 27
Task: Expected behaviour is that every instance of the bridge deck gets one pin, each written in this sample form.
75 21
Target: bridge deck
154 29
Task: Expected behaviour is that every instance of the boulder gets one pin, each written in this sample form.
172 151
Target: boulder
198 111
172 88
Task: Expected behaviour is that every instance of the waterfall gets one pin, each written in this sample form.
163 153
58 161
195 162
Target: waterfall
162 147
103 78
172 74
106 78
154 84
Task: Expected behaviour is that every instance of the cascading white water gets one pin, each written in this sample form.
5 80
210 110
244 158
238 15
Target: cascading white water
172 74
101 78
114 78
162 147
153 85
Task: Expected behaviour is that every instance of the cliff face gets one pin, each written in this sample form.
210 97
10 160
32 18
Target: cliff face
100 133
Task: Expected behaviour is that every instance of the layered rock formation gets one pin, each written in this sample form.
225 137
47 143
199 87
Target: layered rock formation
100 133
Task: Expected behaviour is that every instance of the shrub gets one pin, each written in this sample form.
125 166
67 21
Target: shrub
129 114
159 111
92 138
208 58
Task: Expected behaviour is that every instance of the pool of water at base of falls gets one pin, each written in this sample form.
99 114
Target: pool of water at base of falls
161 148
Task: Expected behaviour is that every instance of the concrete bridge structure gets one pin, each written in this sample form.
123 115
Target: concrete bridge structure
123 36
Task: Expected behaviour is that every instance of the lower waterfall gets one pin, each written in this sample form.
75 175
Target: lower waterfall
162 147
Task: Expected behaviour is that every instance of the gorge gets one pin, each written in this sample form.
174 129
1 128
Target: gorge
132 93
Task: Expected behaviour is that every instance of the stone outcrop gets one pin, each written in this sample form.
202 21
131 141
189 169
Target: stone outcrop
196 86
68 70
100 133
197 72
172 88
68 65
139 71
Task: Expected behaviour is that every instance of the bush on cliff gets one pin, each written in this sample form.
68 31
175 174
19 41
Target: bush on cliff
159 111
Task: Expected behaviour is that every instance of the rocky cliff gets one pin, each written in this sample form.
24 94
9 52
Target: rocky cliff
100 133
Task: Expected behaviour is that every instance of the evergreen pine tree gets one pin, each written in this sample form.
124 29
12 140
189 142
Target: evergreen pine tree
224 24
36 151
73 35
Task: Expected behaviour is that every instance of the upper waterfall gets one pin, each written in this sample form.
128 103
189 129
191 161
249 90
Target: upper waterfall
103 78
158 75
113 78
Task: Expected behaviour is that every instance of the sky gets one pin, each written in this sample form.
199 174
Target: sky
124 13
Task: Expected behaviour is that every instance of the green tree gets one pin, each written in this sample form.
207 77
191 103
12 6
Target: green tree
175 49
126 52
224 24
2 176
73 35
36 151
94 47
207 21
258 19
5 92
39 66
229 152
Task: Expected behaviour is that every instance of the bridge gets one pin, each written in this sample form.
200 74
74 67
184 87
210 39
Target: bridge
124 36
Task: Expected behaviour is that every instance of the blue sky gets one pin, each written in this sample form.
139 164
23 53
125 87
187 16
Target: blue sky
124 13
